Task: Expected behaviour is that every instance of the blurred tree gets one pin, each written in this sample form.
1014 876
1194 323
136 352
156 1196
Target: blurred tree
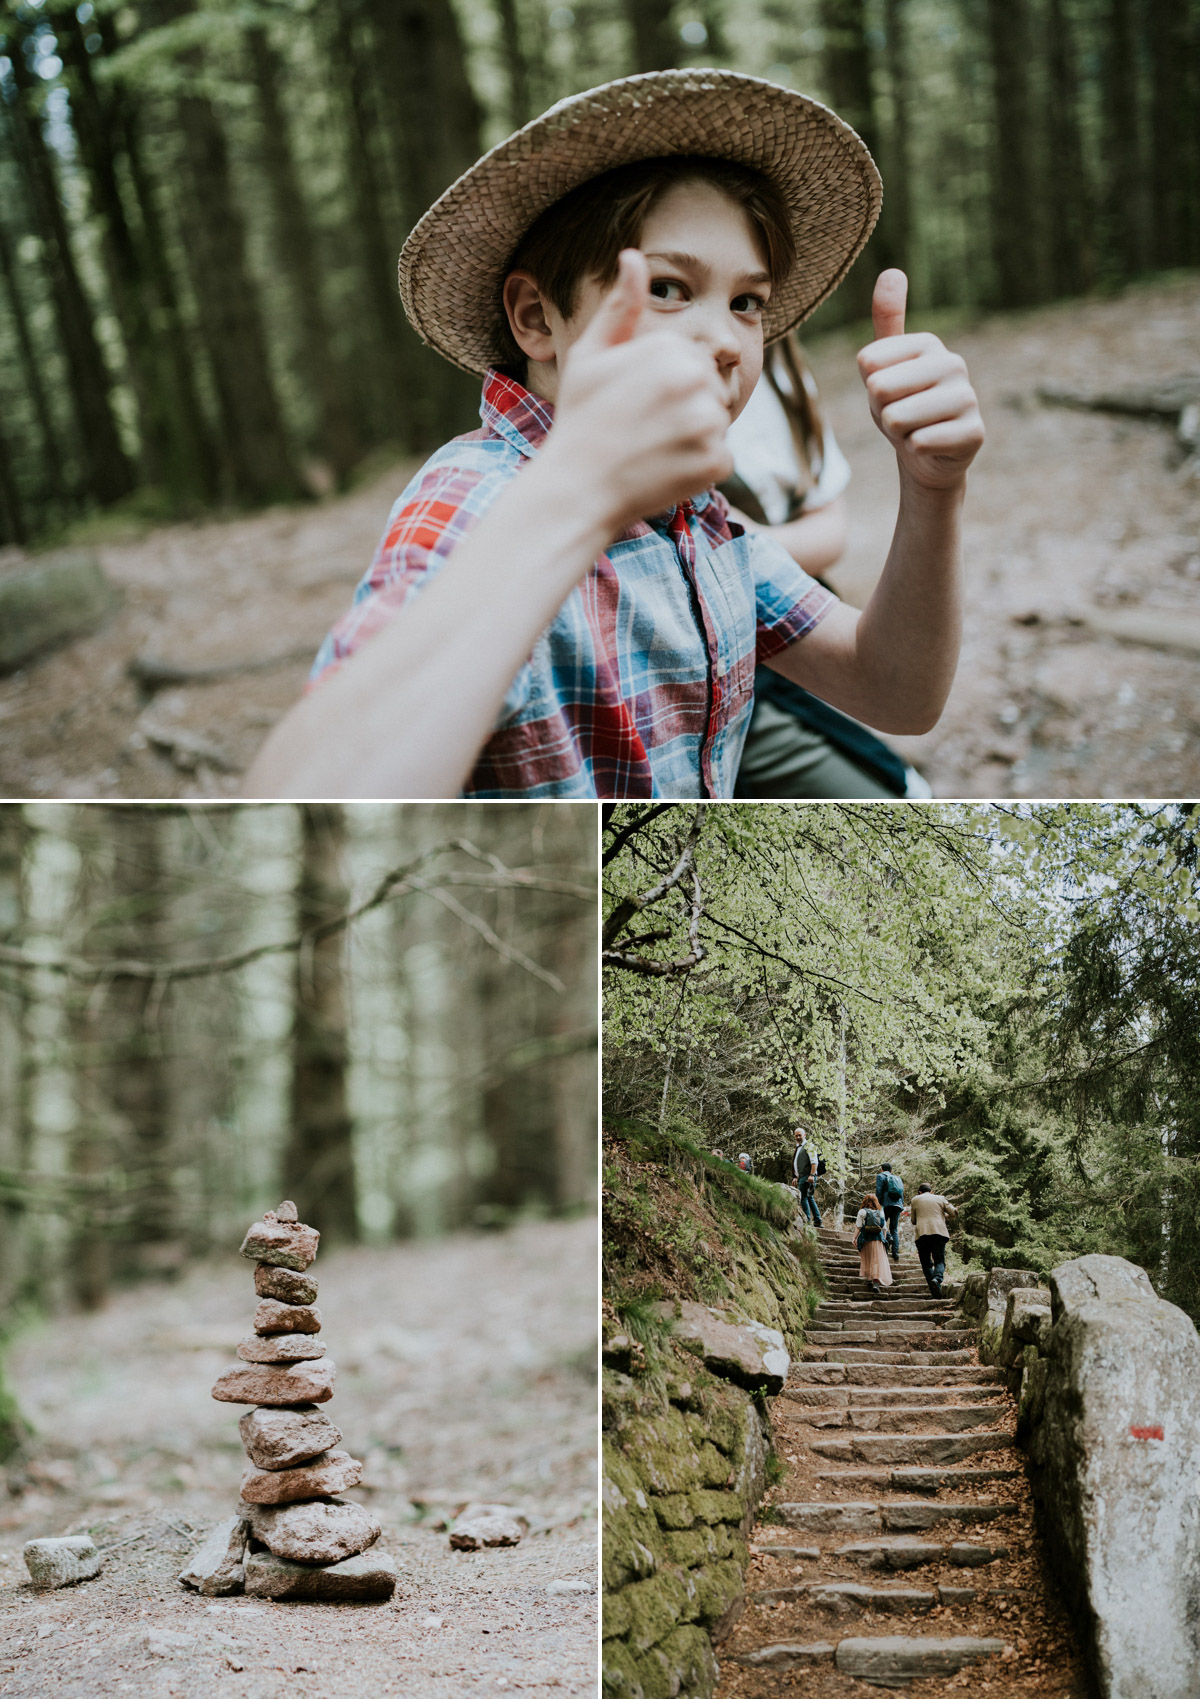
1015 250
654 42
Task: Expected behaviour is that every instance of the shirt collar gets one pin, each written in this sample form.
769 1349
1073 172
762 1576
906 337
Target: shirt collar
524 419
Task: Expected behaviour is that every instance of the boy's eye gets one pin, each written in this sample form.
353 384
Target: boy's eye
667 289
748 304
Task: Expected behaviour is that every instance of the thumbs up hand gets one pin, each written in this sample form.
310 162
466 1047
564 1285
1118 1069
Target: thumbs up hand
640 416
919 393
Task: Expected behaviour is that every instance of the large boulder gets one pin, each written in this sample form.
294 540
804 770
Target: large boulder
1000 1282
46 601
1026 1322
1114 1463
731 1345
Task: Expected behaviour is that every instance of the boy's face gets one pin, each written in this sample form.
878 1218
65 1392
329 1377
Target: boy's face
708 281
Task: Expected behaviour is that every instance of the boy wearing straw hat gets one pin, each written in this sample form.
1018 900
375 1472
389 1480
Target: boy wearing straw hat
561 605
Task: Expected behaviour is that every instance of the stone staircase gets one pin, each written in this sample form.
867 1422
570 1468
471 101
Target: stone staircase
888 1554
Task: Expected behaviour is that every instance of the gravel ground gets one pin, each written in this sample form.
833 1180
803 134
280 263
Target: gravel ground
466 1369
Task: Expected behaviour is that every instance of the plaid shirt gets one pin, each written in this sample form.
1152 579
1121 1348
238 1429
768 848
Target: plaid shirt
643 684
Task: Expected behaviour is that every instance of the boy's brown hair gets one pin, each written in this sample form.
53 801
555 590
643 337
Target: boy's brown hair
582 234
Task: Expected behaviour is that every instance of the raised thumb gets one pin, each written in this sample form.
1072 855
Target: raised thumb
888 302
622 308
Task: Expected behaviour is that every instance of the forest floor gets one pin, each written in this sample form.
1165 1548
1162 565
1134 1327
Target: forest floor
466 1370
1082 648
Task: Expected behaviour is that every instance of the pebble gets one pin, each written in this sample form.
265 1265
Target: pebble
273 1317
286 1244
264 1383
331 1472
279 1439
322 1532
59 1562
487 1525
570 1587
280 1348
284 1284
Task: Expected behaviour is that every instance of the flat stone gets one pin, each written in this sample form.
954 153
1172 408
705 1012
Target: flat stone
365 1578
786 1656
958 1595
898 1553
848 1518
273 1317
58 1563
810 1553
266 1383
731 1344
843 1597
967 1556
917 1515
217 1568
324 1531
287 1244
280 1348
481 1525
279 1439
284 1284
904 1657
331 1472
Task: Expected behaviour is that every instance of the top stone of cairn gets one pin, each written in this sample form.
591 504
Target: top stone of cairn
282 1240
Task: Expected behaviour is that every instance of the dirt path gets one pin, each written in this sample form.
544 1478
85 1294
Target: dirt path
1073 519
466 1369
904 1521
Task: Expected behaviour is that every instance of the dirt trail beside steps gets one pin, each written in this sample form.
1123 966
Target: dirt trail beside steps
1076 523
466 1369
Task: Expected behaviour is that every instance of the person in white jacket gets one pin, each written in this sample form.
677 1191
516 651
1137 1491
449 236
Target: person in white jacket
929 1212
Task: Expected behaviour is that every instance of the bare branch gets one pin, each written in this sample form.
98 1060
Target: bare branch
629 906
684 964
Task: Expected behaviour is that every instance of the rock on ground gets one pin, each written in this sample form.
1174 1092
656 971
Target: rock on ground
323 1532
1115 1458
280 1348
287 1244
217 1568
487 1525
284 1284
262 1383
367 1577
732 1345
57 1563
331 1472
279 1439
273 1317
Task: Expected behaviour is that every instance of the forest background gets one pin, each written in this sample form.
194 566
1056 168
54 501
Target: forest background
385 1013
1001 1000
201 202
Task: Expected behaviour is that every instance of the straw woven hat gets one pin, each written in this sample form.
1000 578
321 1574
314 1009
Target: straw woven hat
453 264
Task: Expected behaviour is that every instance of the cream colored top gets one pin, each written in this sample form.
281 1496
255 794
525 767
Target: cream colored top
929 1212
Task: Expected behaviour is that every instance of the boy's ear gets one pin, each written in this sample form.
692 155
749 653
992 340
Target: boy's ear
527 316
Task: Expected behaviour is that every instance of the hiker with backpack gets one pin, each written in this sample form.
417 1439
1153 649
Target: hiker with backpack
870 1224
806 1165
889 1189
929 1212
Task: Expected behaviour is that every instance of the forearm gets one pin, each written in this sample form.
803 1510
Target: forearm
407 715
892 665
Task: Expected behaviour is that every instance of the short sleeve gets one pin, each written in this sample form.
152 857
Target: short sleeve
440 507
788 602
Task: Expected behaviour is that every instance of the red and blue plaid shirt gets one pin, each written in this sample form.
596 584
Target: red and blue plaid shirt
642 686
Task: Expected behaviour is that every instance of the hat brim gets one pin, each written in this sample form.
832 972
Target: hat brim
454 262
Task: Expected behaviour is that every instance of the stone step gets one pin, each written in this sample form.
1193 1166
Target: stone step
902 1335
905 1551
867 1516
914 1480
881 1354
896 1318
891 1660
898 1397
955 1418
913 1448
844 1597
889 1374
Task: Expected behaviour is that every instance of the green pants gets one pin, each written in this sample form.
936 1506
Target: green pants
785 758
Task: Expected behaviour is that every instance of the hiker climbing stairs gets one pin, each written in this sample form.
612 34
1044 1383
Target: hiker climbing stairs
899 1547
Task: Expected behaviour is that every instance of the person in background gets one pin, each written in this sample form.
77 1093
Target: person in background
746 1162
872 1258
788 479
889 1189
804 1167
929 1212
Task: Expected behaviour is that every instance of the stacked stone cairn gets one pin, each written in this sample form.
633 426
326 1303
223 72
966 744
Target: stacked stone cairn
292 1537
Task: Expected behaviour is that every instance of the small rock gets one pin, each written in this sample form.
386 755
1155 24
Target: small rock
286 1244
286 1211
279 1439
284 1284
280 1348
555 1587
331 1472
58 1563
167 1643
264 1383
367 1576
217 1568
321 1532
487 1525
273 1317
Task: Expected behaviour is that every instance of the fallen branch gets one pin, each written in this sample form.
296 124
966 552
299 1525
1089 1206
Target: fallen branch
153 673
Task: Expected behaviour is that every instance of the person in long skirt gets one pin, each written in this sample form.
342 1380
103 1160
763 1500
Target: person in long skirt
872 1258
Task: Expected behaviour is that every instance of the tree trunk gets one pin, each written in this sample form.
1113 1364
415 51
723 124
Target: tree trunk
897 203
1122 151
1173 121
53 456
654 44
319 1162
12 519
1068 199
297 247
1014 245
108 471
846 63
520 109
